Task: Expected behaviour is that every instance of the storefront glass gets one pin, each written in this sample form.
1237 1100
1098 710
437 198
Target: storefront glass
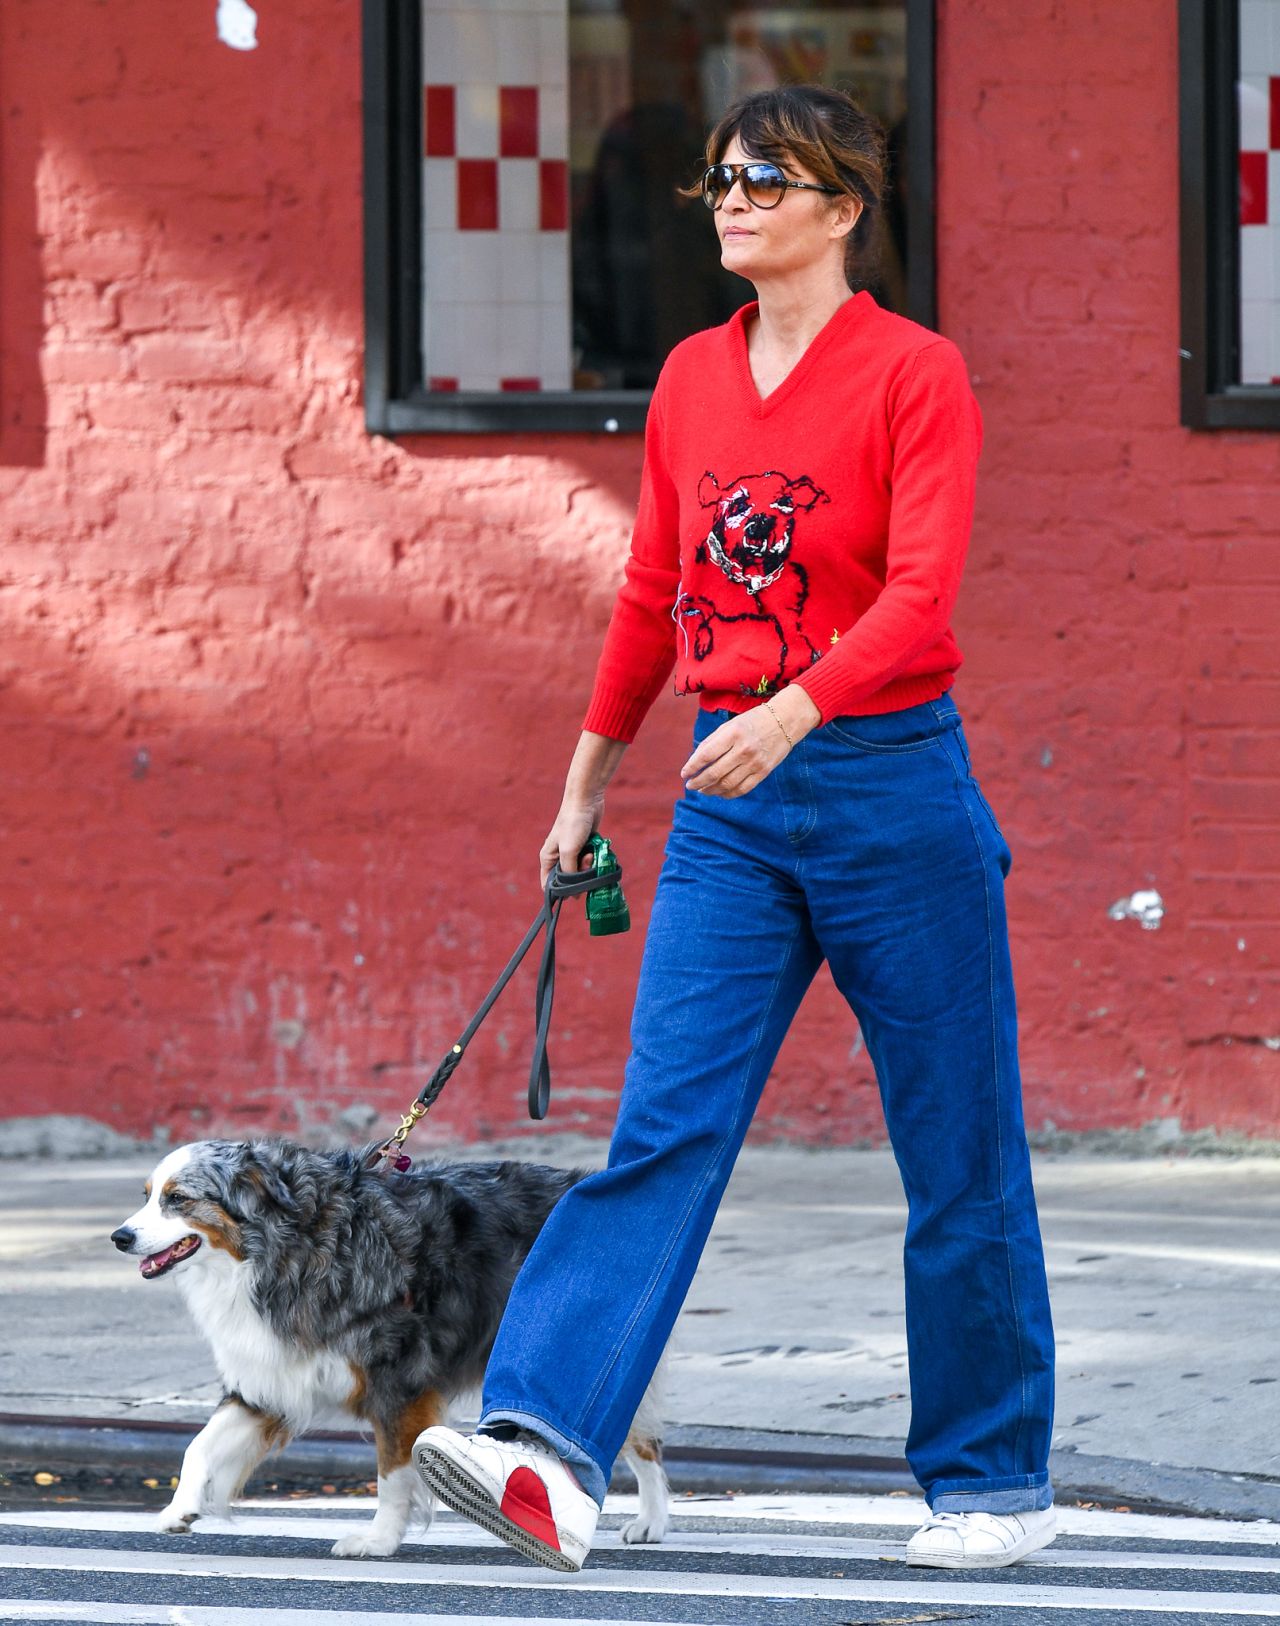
1258 86
556 253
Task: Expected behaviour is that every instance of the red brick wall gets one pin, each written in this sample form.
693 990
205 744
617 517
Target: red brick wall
286 710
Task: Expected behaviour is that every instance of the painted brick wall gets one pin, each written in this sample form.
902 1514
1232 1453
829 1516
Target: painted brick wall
286 710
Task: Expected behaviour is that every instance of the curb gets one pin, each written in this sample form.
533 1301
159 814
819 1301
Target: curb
101 1457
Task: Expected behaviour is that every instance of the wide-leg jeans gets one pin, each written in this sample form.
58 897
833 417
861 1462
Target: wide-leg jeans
870 845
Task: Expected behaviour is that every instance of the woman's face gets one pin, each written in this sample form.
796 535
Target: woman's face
763 244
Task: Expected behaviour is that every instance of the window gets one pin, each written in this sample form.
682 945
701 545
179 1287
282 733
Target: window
528 264
1230 213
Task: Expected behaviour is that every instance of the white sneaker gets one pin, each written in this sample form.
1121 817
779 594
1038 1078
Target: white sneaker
965 1541
519 1489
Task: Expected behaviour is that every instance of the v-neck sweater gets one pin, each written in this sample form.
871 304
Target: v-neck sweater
816 536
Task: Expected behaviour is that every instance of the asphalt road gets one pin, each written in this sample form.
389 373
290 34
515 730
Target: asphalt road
744 1561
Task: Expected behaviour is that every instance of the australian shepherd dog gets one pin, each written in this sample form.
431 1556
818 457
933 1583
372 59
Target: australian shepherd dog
323 1286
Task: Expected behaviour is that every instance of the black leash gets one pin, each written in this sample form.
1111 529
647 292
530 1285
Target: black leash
606 872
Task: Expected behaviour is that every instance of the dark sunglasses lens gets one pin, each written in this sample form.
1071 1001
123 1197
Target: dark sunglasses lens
715 183
765 183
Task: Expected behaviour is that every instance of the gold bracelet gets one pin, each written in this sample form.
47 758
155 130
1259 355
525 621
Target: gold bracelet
768 706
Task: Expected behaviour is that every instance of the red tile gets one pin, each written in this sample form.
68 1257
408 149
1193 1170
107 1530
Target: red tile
518 121
521 383
477 194
1275 110
1253 188
435 382
553 194
439 121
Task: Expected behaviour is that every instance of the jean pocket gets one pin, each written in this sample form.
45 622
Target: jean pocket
912 728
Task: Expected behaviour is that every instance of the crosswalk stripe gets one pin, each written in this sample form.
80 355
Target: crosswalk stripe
744 1544
805 1508
1255 1606
139 1614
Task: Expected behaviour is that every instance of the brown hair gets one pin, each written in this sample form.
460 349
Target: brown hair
824 129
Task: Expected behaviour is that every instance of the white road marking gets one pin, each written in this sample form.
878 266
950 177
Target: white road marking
777 1511
103 1561
138 1614
744 1544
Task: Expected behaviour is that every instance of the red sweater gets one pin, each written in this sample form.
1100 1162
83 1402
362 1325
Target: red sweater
815 537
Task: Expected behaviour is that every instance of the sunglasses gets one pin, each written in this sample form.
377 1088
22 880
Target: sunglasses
762 184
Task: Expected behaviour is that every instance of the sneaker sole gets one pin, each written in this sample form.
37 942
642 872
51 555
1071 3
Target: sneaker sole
1030 1543
461 1494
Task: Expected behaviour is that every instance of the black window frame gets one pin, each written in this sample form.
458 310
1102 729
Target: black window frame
396 401
1209 229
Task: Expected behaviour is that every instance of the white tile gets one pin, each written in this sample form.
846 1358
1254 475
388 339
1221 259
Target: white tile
440 340
440 193
553 268
1257 323
1275 37
478 340
487 382
441 270
553 342
1256 263
553 49
518 194
479 263
1273 188
477 48
518 272
553 122
440 48
517 45
1275 341
518 327
1255 112
478 120
1255 36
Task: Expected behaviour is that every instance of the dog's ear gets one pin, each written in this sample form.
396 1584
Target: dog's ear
709 492
266 1182
804 494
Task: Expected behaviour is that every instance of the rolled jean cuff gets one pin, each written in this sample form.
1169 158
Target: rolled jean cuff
584 1465
1025 1493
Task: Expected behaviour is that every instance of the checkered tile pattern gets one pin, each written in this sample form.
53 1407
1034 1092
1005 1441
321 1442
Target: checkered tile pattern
495 178
1259 91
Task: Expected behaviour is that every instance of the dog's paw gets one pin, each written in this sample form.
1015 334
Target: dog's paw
651 1528
364 1544
175 1521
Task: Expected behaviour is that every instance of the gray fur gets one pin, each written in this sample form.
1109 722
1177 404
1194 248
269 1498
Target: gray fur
404 1275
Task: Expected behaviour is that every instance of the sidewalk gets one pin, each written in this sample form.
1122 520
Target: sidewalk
790 1359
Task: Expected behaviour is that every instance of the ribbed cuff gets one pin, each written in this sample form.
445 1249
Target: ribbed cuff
615 714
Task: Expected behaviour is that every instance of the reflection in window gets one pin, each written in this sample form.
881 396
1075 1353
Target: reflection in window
556 252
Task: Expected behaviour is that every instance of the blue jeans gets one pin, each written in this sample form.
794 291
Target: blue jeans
869 845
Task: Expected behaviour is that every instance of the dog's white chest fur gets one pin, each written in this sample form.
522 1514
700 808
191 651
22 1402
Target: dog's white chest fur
289 1383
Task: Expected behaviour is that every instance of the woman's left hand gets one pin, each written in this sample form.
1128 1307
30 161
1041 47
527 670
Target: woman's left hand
735 757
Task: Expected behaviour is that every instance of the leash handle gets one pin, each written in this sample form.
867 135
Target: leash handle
560 884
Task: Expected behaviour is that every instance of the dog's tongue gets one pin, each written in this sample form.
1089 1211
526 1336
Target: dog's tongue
157 1261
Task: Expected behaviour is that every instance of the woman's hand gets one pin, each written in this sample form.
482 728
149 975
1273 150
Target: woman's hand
576 822
735 757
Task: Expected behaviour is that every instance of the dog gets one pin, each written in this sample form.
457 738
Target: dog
323 1285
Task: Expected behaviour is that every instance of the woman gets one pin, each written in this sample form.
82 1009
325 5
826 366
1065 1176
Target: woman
805 509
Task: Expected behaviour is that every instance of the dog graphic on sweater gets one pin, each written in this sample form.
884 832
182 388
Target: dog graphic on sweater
753 521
